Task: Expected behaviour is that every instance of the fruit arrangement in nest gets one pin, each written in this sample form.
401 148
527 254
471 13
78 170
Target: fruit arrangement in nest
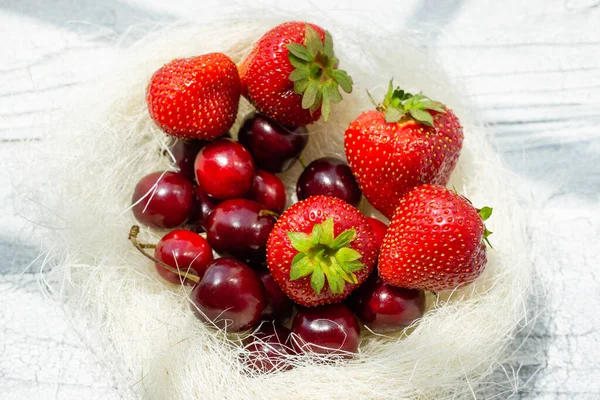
303 279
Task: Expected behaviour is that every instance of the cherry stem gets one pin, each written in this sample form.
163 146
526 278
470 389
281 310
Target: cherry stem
302 162
133 233
268 213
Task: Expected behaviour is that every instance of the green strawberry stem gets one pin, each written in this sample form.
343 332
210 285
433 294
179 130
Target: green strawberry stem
399 104
316 76
134 232
325 257
485 213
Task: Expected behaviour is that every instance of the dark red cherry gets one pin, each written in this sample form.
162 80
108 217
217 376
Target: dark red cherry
379 228
274 147
328 176
203 206
184 153
384 308
329 329
268 348
163 200
269 191
224 169
184 250
240 228
230 295
279 306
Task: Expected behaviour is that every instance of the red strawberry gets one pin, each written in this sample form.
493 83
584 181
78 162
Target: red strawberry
320 250
291 74
408 141
195 98
435 241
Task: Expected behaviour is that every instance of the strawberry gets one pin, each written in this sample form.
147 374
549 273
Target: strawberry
320 250
408 141
291 74
195 98
435 241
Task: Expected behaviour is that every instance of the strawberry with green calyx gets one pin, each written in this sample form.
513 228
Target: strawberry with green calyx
320 250
409 140
436 241
291 74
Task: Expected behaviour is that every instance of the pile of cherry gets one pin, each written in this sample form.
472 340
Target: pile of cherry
303 277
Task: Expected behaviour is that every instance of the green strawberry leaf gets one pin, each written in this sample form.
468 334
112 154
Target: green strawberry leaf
300 51
317 231
352 266
310 95
422 116
313 42
327 235
299 73
343 239
297 62
300 86
300 241
485 213
301 267
347 254
328 47
317 279
343 79
326 106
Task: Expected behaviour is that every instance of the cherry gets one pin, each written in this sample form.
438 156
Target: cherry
240 228
224 169
279 306
269 191
274 147
268 347
328 176
379 228
185 251
385 308
184 152
330 329
163 200
230 295
203 206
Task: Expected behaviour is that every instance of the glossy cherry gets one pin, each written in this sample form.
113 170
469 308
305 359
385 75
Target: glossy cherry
268 347
269 191
183 250
224 169
201 209
328 176
240 228
379 228
163 200
184 153
330 329
274 147
279 306
384 308
230 295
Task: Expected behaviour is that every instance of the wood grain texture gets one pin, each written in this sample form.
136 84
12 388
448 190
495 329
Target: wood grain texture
532 69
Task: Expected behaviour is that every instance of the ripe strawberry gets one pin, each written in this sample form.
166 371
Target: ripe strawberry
435 241
291 74
320 250
195 98
408 141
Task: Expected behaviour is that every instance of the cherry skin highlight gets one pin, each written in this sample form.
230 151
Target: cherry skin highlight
230 295
329 329
269 191
274 147
224 169
384 308
183 250
239 228
279 306
328 176
163 200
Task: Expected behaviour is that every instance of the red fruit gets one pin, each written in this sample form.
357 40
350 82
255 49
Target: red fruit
268 348
203 206
279 306
184 153
320 250
224 169
408 141
269 191
330 329
185 251
230 295
195 98
435 241
328 176
379 229
385 308
291 74
163 200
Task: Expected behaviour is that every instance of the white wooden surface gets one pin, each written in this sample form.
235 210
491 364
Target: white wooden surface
532 67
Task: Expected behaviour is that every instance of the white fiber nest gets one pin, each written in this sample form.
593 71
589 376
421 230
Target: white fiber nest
143 329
